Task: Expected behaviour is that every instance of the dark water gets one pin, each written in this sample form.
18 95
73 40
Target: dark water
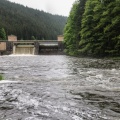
59 88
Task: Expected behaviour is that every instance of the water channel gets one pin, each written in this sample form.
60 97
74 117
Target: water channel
59 87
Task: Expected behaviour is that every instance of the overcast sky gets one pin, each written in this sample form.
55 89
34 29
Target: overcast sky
60 7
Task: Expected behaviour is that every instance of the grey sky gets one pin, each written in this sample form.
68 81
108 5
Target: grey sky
61 7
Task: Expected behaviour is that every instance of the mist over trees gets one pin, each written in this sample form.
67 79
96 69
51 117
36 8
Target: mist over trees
27 23
95 29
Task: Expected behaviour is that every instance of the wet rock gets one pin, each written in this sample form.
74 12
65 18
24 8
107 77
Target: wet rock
114 80
11 99
6 107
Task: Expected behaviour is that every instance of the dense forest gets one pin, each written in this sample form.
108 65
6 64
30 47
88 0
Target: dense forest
93 28
27 23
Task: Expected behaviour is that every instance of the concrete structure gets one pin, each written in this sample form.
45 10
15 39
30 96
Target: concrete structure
2 46
24 47
36 46
14 46
48 43
12 38
60 37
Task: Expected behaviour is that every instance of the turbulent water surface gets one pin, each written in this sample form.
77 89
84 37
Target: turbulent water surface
59 88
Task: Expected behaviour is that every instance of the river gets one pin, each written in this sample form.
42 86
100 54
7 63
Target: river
59 87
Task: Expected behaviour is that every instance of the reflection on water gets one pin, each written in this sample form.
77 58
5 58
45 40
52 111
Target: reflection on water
59 88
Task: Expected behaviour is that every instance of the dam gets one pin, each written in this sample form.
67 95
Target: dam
23 47
34 47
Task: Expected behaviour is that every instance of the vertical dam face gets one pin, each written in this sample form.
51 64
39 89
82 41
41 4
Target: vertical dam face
24 49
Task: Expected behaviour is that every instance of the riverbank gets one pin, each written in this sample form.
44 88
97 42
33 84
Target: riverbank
99 62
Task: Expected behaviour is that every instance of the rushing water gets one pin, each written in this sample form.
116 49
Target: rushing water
24 50
59 88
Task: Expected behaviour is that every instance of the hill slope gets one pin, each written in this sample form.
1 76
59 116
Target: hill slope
26 22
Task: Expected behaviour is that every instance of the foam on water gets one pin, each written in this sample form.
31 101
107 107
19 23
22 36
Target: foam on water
31 118
76 117
21 55
53 87
8 81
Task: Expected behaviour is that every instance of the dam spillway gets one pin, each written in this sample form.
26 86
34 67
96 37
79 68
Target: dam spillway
24 49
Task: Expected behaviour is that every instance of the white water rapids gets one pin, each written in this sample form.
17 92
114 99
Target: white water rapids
59 87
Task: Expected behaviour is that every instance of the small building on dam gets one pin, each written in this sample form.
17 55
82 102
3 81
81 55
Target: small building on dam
34 47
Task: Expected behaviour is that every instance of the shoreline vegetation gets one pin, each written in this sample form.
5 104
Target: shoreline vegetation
1 77
92 29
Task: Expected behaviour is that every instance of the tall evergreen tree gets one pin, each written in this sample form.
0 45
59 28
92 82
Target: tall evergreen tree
100 34
2 34
112 27
73 26
87 29
33 38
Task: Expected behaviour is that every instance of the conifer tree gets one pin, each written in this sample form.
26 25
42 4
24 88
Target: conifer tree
2 34
112 27
100 34
33 38
72 28
89 21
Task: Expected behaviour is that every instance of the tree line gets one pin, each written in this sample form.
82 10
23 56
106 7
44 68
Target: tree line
27 23
93 28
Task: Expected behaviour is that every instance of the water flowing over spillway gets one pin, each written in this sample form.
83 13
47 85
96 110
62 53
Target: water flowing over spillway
24 51
59 88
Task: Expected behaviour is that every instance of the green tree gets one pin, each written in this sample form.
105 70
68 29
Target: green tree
33 38
72 28
2 34
100 34
87 29
112 27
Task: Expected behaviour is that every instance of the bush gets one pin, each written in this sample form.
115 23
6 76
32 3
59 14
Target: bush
1 77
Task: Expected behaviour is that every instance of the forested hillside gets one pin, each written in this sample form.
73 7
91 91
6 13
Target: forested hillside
28 23
93 28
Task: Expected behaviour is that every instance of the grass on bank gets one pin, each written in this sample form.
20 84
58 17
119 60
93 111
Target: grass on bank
1 77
